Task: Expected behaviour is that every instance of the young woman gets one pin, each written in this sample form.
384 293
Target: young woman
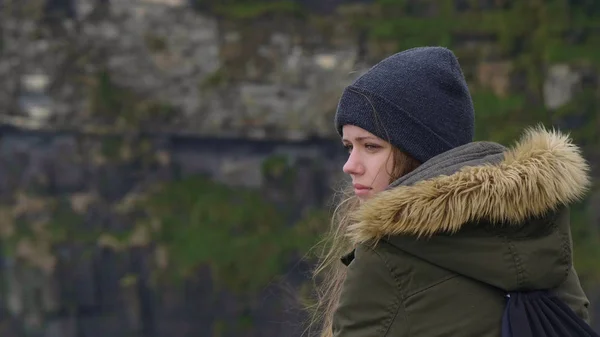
439 229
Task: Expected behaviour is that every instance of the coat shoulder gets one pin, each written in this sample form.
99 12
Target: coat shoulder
439 302
388 292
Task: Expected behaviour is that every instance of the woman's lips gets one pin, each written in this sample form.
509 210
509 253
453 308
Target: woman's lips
361 190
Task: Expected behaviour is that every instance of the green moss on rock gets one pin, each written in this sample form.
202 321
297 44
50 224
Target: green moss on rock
492 111
277 168
587 244
240 236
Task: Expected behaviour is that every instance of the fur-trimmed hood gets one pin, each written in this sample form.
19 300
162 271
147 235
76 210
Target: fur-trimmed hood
480 181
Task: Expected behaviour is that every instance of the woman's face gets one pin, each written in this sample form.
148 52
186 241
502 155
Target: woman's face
370 161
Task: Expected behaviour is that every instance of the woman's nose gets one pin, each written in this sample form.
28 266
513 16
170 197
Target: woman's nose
353 165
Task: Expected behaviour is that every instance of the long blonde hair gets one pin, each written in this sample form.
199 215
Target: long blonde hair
329 273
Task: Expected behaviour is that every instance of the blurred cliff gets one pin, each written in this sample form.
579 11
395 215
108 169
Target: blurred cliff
166 164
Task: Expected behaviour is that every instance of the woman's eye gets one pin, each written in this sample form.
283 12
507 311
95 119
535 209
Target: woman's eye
371 147
348 147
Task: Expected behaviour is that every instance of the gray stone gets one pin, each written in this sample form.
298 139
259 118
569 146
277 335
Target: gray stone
63 327
284 84
245 172
560 85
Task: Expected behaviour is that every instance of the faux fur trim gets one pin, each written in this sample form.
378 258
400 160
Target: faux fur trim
541 172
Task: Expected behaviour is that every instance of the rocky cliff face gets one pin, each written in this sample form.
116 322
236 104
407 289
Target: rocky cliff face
266 71
177 109
274 78
80 259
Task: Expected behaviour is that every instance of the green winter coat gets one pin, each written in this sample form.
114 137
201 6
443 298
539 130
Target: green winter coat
436 253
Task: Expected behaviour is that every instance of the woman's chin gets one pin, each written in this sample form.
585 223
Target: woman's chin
363 197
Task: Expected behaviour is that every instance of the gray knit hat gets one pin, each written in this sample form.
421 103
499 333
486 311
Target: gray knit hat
417 99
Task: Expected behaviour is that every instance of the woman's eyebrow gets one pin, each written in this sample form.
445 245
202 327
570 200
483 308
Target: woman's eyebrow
360 138
365 138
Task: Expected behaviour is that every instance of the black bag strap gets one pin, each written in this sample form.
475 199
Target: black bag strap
541 314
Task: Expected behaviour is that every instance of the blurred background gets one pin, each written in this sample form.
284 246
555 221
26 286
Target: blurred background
166 165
